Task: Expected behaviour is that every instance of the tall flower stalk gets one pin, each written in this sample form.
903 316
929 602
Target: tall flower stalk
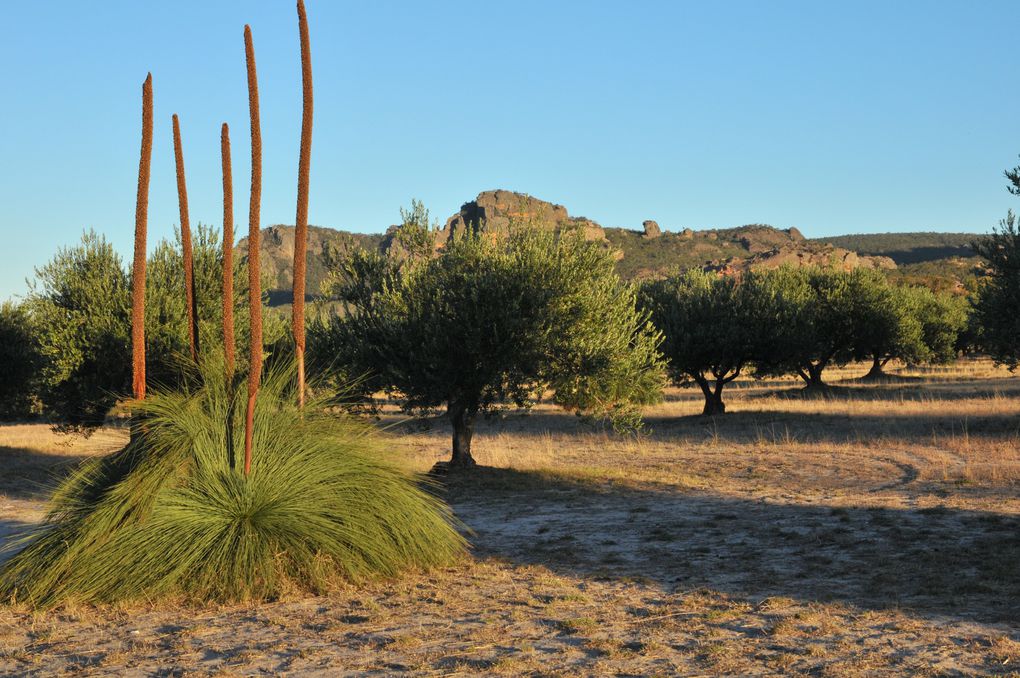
301 219
189 266
138 270
228 253
254 284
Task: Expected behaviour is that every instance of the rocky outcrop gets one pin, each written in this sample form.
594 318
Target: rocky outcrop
803 254
646 253
277 256
822 256
495 211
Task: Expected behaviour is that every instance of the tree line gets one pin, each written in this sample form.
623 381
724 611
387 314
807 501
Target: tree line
69 339
494 322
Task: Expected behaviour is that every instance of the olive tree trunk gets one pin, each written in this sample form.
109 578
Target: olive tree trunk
811 373
876 371
462 418
713 394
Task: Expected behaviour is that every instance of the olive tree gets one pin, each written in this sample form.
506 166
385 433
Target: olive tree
708 331
79 306
80 303
805 320
942 317
886 322
490 322
19 355
997 305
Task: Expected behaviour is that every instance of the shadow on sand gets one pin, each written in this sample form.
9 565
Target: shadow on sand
937 562
744 427
28 474
9 531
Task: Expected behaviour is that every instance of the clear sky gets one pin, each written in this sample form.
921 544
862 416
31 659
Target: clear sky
831 117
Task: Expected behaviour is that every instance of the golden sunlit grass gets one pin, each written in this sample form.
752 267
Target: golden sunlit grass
962 432
872 530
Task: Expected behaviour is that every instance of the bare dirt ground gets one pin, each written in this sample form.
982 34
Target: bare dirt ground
873 530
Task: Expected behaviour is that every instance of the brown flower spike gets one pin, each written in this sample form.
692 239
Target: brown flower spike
189 267
228 253
138 270
301 220
254 285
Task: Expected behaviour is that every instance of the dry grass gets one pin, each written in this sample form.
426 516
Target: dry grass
871 531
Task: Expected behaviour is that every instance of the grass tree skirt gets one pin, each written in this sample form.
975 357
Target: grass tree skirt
172 514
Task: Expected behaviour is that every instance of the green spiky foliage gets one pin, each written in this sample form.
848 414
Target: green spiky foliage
172 515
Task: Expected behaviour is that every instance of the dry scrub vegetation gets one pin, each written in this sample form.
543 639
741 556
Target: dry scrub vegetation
872 530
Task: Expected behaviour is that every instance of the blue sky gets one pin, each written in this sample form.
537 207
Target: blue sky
831 117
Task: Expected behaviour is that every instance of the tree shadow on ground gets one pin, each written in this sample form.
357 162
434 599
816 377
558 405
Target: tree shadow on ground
893 387
10 529
29 474
745 427
937 562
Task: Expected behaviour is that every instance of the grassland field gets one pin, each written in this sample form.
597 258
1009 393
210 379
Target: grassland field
868 531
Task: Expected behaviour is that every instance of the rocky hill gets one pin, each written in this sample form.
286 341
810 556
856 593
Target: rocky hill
649 251
908 248
729 250
494 211
942 261
277 256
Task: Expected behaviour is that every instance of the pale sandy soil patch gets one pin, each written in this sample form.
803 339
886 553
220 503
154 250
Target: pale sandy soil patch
874 531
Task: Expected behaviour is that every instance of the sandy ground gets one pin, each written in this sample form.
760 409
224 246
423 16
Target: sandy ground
875 531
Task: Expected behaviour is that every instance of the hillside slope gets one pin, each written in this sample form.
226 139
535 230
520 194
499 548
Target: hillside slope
277 256
908 248
942 260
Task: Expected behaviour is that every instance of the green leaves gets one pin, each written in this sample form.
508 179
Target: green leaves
19 354
707 323
705 320
171 514
80 304
492 321
997 308
79 309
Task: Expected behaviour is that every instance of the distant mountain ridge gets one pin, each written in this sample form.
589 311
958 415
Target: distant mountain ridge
909 248
646 253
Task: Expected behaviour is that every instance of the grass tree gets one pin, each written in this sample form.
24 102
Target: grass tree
301 218
490 323
180 511
227 289
191 303
171 514
254 283
138 271
708 332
